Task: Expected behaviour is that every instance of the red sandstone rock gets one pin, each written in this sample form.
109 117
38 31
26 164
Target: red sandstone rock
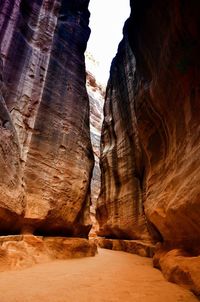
19 252
151 133
96 93
11 191
179 267
138 247
47 162
96 97
120 211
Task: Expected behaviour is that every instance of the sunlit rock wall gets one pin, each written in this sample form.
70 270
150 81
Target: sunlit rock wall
151 134
46 155
96 97
120 207
96 93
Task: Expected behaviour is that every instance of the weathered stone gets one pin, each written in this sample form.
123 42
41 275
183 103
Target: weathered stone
151 132
141 248
96 93
48 152
11 191
179 267
120 209
21 251
167 107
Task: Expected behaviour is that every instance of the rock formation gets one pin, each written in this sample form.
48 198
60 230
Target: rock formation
96 93
22 251
120 206
46 156
150 143
151 136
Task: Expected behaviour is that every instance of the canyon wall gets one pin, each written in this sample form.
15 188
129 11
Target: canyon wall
151 137
46 157
120 209
96 93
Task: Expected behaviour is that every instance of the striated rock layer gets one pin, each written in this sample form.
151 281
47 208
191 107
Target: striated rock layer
46 156
96 93
96 97
120 210
151 134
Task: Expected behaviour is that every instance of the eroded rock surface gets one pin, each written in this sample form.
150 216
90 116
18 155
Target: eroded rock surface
151 133
96 97
96 93
22 251
120 209
46 154
180 267
11 191
143 249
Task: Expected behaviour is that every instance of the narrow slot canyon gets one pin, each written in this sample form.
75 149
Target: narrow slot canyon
99 150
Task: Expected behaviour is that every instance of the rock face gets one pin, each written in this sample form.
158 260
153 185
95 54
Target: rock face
11 197
151 132
120 209
180 267
22 251
46 156
96 98
96 93
137 247
168 115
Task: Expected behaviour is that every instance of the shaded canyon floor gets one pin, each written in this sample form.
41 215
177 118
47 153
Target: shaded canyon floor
109 276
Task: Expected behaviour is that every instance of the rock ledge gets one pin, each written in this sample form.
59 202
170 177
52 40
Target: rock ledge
22 251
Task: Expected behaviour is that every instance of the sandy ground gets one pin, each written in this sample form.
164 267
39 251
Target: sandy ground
110 276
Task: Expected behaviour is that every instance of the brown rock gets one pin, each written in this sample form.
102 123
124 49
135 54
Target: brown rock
11 191
167 111
96 93
179 267
143 249
151 133
21 251
150 145
120 211
42 45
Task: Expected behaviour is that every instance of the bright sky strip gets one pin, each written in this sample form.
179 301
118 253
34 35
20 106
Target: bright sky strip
106 22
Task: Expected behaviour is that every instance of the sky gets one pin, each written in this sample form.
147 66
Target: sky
106 23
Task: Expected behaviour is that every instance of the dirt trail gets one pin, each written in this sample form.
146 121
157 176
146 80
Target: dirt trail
109 277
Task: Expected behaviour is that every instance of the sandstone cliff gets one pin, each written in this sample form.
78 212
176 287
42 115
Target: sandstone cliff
46 156
96 93
151 136
120 206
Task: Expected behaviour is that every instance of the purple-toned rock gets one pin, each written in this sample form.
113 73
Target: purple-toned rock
49 154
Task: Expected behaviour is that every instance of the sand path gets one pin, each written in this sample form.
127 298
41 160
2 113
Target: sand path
109 277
